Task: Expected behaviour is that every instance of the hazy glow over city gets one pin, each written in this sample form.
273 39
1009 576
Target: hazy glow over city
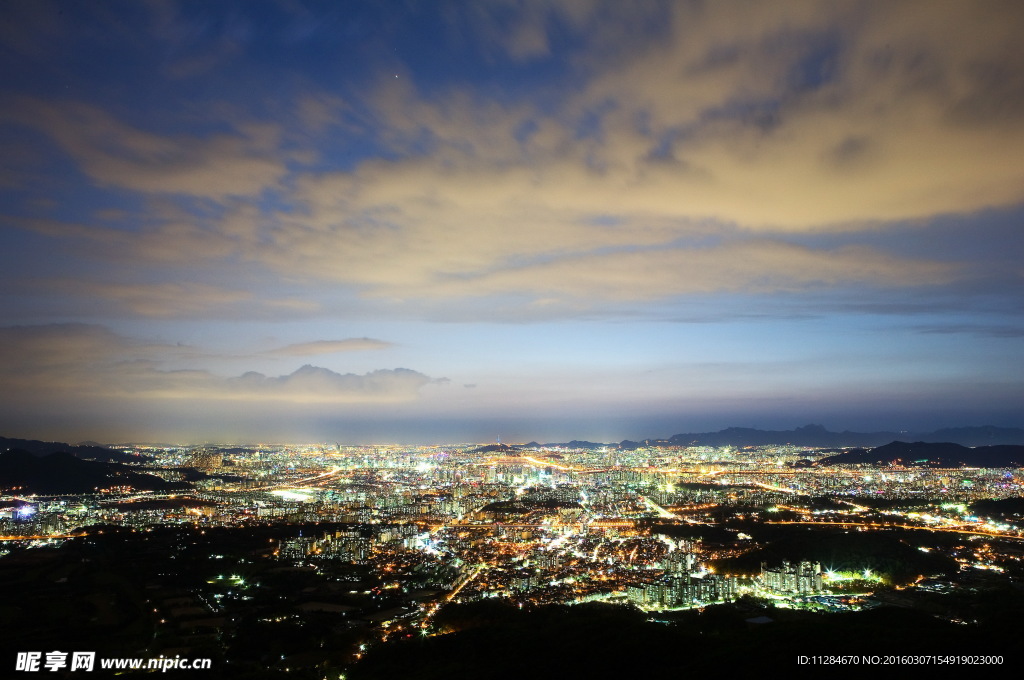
455 221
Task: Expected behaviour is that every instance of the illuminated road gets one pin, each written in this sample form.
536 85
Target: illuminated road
544 463
425 621
975 532
662 512
295 483
775 488
36 538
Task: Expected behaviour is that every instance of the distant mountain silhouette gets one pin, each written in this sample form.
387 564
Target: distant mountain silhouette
808 435
85 450
60 473
816 435
932 454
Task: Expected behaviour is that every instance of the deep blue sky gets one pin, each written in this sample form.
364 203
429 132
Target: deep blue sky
524 220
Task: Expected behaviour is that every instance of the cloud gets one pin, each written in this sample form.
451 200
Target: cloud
317 112
156 300
811 114
806 116
330 347
244 162
86 364
656 163
62 347
752 267
312 384
981 330
513 30
610 265
171 300
802 118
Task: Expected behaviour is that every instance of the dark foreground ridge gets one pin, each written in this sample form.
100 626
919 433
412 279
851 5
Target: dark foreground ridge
85 450
63 473
497 641
942 455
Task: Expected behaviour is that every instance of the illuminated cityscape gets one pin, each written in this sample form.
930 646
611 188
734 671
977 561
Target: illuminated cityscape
392 541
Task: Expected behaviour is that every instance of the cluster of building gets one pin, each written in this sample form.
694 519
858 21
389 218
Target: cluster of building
801 578
540 525
682 591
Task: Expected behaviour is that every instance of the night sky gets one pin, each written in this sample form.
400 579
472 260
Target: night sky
457 221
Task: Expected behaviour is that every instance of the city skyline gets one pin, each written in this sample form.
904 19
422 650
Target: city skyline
465 221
